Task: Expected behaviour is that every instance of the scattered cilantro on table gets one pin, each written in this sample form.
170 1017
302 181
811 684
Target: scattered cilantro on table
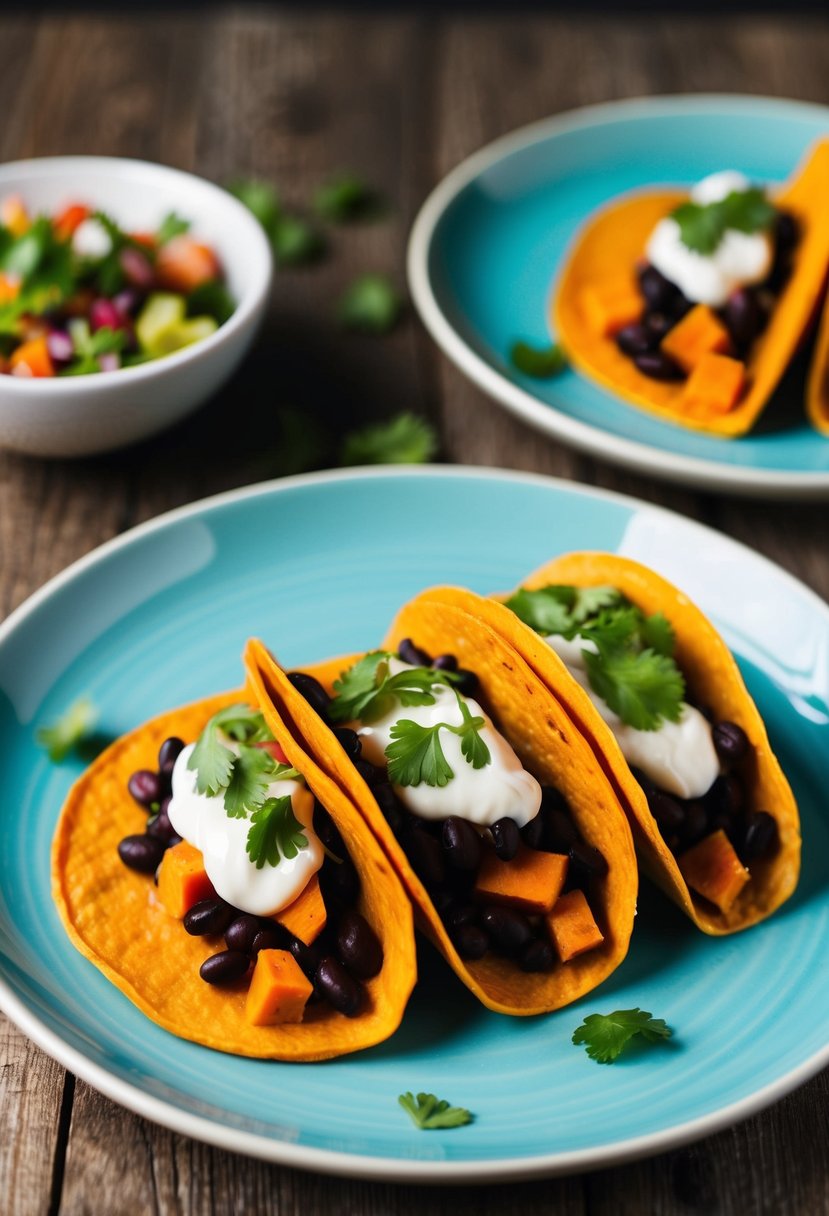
430 1113
73 726
539 362
347 197
404 439
605 1036
702 226
295 241
371 304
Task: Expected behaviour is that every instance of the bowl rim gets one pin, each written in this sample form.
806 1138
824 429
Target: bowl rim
243 314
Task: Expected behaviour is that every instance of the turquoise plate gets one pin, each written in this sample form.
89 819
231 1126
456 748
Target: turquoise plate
317 565
491 239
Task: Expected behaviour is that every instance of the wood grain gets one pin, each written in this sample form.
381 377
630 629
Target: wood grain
292 97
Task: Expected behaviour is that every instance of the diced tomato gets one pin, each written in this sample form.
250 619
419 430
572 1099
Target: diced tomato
35 357
14 216
70 219
183 264
144 238
274 749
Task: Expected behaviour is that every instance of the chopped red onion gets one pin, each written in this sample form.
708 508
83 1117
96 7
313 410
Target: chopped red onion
136 267
60 346
110 362
104 315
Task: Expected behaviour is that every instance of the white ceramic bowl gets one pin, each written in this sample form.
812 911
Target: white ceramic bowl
80 415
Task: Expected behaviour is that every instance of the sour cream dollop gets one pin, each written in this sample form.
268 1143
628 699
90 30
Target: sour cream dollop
679 757
481 795
740 259
204 823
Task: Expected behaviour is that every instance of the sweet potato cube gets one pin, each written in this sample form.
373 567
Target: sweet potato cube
32 359
713 869
531 882
278 991
306 916
700 332
571 926
611 304
714 386
182 879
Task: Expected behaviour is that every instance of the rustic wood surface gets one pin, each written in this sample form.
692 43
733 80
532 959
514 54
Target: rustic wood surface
290 97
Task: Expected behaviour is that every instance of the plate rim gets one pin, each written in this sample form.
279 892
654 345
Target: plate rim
698 472
330 1161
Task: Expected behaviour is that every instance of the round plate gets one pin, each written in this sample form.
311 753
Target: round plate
490 240
317 565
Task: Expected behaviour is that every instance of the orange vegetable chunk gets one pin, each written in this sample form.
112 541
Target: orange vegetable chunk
611 304
714 386
183 264
713 869
278 991
699 333
14 216
9 288
531 882
32 359
70 219
182 879
306 916
571 926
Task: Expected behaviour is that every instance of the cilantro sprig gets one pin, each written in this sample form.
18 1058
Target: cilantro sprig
416 754
73 726
605 1036
368 690
404 439
630 663
275 833
430 1113
703 225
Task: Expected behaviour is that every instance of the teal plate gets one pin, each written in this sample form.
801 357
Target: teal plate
317 565
491 239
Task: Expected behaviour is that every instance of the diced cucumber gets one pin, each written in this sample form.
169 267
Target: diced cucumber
183 333
161 311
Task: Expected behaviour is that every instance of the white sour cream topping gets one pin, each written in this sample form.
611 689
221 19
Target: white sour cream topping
679 757
204 823
741 258
480 795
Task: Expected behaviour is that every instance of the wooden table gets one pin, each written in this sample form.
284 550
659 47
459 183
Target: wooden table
292 97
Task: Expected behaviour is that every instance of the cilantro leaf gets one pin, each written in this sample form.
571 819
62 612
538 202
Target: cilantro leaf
214 762
251 775
211 299
606 1035
295 241
539 362
356 687
748 210
588 601
547 610
415 755
260 199
172 225
275 832
473 748
642 688
75 724
371 304
405 439
430 1113
346 197
658 633
703 225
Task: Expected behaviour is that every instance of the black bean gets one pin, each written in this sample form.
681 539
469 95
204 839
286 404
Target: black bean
635 339
586 859
426 857
506 838
460 914
730 742
412 654
349 741
532 833
369 772
643 780
394 814
508 929
168 753
667 812
224 967
208 916
445 662
312 691
240 932
537 955
658 325
552 799
559 830
462 843
339 988
328 831
786 230
359 946
762 836
658 366
470 941
443 901
467 684
141 853
159 826
271 937
696 822
145 787
308 957
679 305
726 797
339 882
743 317
656 289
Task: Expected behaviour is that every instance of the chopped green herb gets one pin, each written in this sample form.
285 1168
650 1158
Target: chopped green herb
371 304
88 346
211 760
211 299
367 690
71 728
644 689
703 225
260 198
416 756
430 1113
539 362
405 439
295 241
346 197
172 225
247 787
275 832
605 1036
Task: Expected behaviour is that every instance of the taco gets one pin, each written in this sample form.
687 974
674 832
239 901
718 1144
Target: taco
491 806
817 387
692 307
248 843
659 695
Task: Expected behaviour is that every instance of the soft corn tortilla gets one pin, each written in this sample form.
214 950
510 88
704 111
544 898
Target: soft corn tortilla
612 243
548 744
114 918
714 680
817 386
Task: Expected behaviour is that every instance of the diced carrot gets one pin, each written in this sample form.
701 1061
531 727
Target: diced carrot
306 916
183 264
9 288
714 386
35 356
571 926
610 305
699 333
14 216
70 219
531 882
182 879
278 991
713 869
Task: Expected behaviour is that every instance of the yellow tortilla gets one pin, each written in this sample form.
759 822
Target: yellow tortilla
817 388
614 240
548 744
114 918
